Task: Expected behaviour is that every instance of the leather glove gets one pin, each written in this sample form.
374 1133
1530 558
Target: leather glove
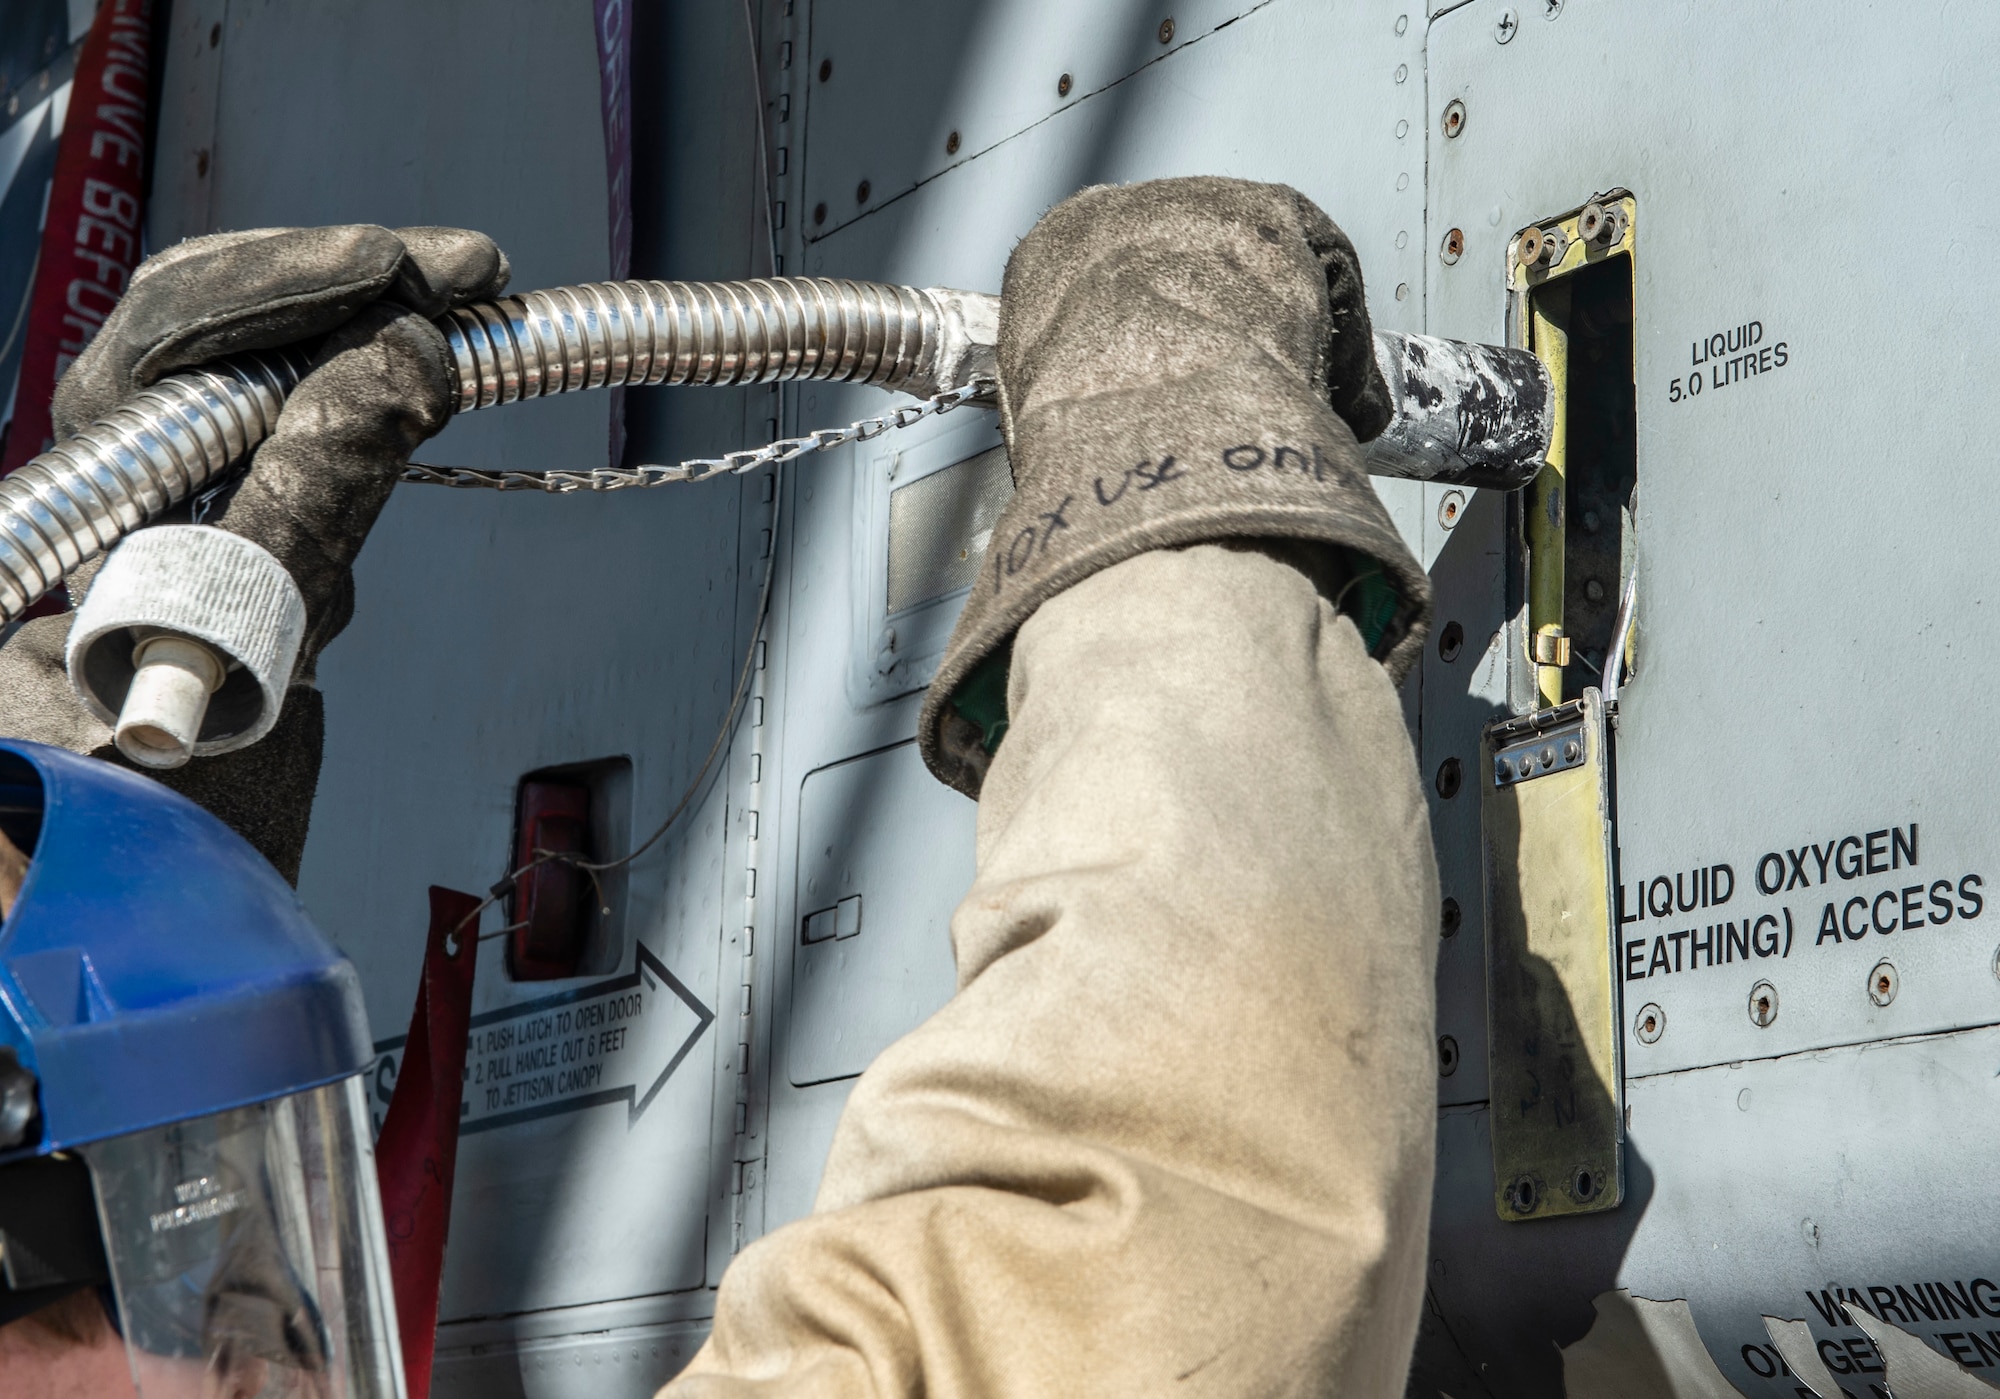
1180 362
359 299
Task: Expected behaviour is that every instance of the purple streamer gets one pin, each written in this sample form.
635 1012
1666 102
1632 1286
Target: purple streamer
613 22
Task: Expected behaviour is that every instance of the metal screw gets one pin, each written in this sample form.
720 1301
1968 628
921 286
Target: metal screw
1506 27
1882 983
1167 30
861 193
1447 1056
1572 751
1763 1004
1454 118
1449 917
1650 1025
1402 25
1450 639
1551 8
951 144
1449 774
825 69
1063 85
1450 507
1593 590
1584 1184
17 1100
819 214
1454 247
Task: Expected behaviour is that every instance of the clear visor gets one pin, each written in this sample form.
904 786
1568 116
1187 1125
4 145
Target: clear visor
247 1253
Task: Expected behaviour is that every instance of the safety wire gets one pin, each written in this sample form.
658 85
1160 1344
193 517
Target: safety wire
594 868
735 462
1621 640
763 118
979 390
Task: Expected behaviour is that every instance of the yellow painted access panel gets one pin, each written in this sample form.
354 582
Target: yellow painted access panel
1551 991
1571 284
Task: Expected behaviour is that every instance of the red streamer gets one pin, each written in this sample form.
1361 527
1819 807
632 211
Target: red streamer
416 1155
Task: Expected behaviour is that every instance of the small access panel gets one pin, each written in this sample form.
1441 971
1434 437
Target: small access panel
1555 1074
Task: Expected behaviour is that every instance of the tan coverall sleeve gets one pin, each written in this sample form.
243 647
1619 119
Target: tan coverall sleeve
1174 1133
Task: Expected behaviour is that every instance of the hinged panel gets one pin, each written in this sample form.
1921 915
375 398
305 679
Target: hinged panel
1552 1004
885 852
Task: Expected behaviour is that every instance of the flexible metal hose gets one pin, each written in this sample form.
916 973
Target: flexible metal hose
756 332
131 466
1472 414
171 441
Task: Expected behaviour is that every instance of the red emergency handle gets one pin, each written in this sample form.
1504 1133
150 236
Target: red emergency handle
552 901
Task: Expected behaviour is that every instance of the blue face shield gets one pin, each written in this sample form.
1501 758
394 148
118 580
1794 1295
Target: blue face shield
196 1141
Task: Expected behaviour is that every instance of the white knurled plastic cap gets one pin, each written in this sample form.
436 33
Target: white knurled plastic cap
200 582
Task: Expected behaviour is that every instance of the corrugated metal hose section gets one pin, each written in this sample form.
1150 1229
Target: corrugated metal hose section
174 439
754 332
1476 415
131 466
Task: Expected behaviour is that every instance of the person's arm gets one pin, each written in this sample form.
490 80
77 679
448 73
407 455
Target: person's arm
1174 1133
358 298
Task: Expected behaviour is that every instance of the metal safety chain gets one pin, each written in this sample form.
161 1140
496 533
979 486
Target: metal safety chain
618 478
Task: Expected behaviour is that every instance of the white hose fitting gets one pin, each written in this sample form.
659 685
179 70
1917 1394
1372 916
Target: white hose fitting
173 676
185 643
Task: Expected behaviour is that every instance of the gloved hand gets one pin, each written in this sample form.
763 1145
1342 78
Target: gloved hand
359 298
1181 361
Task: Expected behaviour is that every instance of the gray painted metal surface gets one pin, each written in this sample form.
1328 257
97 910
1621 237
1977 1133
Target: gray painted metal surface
1809 577
1812 623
